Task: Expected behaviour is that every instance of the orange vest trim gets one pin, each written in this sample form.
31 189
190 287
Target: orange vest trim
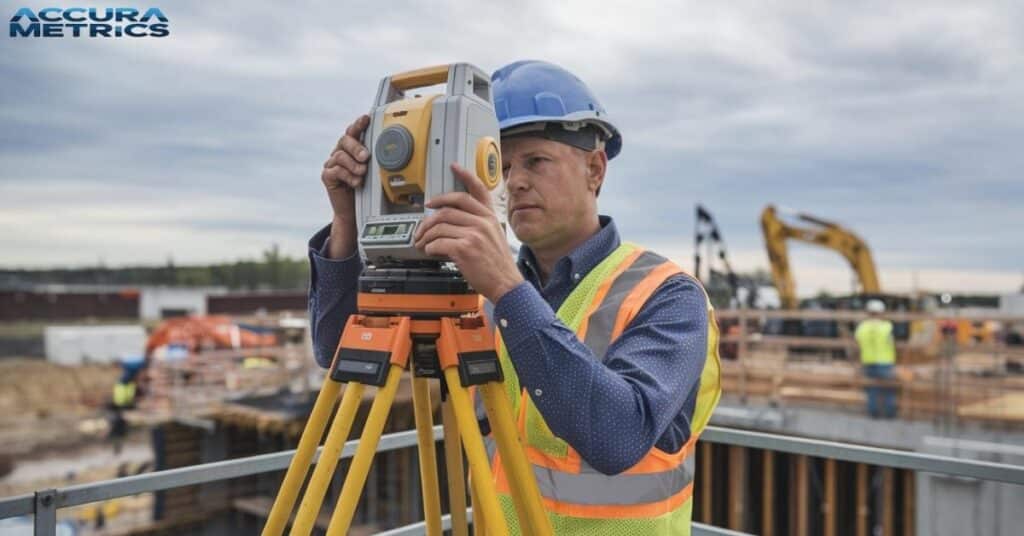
659 483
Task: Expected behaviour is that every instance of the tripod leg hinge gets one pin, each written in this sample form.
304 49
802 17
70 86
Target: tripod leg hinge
369 367
478 368
425 363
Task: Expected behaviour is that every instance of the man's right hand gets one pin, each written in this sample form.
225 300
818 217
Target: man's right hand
344 171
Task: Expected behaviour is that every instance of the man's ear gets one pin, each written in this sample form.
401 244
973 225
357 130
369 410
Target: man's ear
597 165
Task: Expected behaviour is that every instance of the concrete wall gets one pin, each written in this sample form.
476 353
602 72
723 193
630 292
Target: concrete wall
956 505
1012 304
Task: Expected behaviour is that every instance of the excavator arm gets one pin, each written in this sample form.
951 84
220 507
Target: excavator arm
823 233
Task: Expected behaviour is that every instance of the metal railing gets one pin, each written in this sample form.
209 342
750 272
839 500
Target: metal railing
44 504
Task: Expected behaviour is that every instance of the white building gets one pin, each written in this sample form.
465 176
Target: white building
75 345
162 302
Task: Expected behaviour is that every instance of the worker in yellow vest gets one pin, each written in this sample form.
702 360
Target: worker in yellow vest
609 350
877 356
123 398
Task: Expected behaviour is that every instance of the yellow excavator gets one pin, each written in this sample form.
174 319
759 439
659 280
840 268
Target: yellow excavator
820 232
831 235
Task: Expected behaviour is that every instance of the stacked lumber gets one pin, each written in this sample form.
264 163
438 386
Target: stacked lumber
969 387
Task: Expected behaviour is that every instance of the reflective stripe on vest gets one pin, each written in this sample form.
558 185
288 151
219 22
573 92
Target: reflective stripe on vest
654 495
591 487
601 322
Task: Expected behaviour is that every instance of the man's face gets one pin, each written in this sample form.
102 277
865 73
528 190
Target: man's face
552 190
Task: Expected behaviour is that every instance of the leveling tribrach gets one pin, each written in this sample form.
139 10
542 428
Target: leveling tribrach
417 313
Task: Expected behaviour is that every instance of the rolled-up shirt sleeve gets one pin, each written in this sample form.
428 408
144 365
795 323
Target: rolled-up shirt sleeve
643 393
333 288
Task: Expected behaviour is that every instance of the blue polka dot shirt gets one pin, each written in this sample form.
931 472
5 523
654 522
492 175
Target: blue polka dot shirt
611 412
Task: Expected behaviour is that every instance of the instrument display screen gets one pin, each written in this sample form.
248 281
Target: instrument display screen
388 231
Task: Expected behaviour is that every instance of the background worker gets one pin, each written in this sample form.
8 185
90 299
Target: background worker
123 397
611 349
877 355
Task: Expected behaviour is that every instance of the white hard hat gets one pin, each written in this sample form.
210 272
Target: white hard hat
875 306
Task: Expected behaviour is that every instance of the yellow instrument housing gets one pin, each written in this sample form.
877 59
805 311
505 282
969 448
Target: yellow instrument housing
488 162
411 180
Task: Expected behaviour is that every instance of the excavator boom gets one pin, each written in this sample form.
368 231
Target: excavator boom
820 232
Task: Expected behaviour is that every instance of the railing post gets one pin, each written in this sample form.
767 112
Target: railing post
46 513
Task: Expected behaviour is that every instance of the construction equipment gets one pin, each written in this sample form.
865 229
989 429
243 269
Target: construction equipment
451 344
725 287
706 231
204 332
419 313
413 142
823 233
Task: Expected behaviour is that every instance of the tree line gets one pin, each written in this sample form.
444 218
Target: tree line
273 271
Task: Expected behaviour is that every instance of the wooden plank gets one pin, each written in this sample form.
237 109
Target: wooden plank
887 506
853 316
862 500
408 474
846 398
768 494
909 504
705 484
828 506
802 497
1007 407
737 487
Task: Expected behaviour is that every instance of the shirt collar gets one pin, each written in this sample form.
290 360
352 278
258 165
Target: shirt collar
580 260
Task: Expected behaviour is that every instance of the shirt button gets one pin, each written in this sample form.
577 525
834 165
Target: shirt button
576 277
503 322
537 392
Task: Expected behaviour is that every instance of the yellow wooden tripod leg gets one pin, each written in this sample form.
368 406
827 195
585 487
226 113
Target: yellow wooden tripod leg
356 478
479 523
453 464
309 508
476 454
518 471
299 466
427 455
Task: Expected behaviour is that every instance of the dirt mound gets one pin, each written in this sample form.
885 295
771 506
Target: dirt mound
34 387
42 404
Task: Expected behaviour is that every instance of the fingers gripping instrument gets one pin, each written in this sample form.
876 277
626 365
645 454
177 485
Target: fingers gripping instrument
413 140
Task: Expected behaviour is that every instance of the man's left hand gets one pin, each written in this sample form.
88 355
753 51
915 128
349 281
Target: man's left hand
464 228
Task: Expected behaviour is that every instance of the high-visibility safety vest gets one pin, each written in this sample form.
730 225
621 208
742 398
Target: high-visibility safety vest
874 336
124 394
654 496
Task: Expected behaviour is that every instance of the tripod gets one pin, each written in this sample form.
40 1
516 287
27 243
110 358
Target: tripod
434 318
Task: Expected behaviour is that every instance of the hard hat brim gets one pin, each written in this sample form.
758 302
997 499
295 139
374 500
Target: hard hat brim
613 145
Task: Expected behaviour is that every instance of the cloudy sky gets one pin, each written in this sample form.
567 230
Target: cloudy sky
901 120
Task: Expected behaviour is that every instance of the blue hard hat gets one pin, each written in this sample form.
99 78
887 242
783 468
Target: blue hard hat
532 91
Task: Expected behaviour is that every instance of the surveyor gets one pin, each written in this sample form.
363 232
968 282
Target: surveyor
610 349
877 356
